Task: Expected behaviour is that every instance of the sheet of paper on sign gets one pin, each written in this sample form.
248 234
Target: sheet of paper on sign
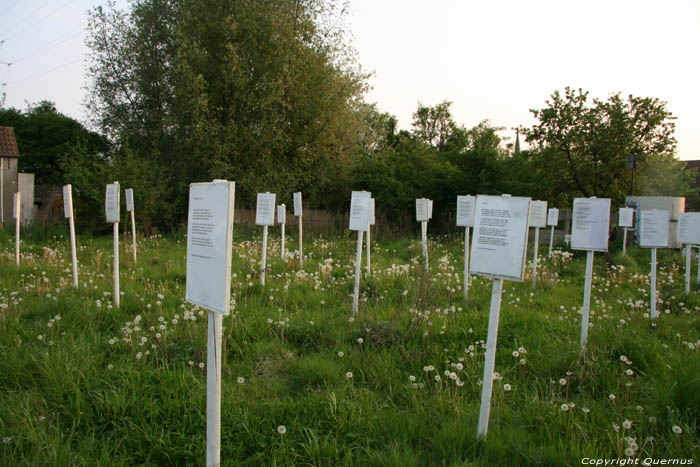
591 224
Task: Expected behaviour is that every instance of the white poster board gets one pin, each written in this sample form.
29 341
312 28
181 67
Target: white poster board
430 209
465 211
689 228
653 229
297 204
209 237
129 193
371 212
626 217
281 214
553 217
112 202
265 210
538 214
359 210
591 224
67 202
500 237
422 209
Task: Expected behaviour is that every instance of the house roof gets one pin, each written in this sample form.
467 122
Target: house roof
691 165
8 143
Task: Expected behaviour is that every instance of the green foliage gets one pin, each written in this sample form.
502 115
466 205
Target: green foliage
582 148
45 137
263 93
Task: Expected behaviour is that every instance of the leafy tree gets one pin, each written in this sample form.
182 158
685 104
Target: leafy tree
262 92
45 136
434 126
582 147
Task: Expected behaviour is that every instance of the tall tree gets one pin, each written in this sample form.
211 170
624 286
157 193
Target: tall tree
583 147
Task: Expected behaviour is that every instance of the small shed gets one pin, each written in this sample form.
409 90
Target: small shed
9 157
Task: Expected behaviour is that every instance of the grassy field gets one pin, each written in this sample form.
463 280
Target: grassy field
84 383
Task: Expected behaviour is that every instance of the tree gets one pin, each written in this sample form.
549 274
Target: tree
582 148
259 91
434 125
45 136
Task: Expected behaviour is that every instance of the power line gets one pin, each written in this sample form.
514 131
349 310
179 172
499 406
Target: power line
47 47
43 73
11 7
39 20
26 18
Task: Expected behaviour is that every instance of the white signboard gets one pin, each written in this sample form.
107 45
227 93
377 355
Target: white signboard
500 237
67 202
371 212
465 211
591 224
129 192
359 210
430 209
281 214
538 214
422 209
112 202
265 210
553 217
653 229
209 237
297 203
689 228
626 217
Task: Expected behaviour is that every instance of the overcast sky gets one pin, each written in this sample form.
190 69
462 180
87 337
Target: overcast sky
493 59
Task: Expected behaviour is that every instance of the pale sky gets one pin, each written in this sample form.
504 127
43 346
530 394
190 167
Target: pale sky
494 59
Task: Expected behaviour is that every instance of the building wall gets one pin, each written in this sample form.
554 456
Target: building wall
9 175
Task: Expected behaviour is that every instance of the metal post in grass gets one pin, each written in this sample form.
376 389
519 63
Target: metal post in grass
359 221
586 309
298 213
538 219
589 232
129 192
653 233
499 251
282 220
68 211
552 220
265 216
688 233
465 218
112 214
17 214
209 238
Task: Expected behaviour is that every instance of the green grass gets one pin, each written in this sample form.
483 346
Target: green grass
77 387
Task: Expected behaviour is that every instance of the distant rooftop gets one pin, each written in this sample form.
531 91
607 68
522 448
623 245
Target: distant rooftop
8 143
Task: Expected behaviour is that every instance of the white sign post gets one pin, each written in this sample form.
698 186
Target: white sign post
465 218
688 233
265 216
68 211
625 220
552 220
129 192
538 219
297 213
589 232
498 252
359 221
371 221
653 233
282 220
208 284
422 216
112 214
17 215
